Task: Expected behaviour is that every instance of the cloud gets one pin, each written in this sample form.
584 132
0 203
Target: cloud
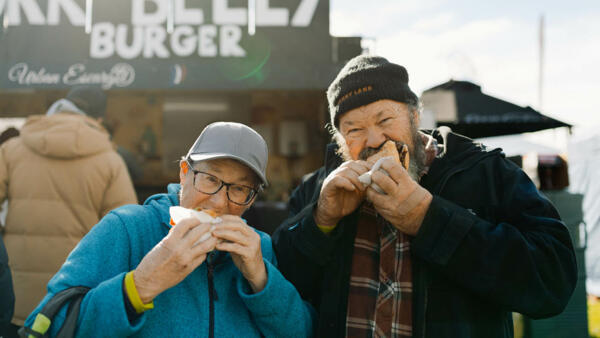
457 52
435 23
353 18
498 52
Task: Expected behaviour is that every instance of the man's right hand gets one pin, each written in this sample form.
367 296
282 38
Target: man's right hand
341 193
173 258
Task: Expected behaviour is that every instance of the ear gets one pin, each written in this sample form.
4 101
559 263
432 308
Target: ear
416 118
183 170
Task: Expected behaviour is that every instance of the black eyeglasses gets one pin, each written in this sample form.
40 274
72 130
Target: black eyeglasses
211 184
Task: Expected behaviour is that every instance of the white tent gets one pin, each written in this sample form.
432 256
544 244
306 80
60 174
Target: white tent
584 177
514 145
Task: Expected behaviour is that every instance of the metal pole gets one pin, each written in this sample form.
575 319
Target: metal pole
3 9
89 4
541 65
251 17
171 17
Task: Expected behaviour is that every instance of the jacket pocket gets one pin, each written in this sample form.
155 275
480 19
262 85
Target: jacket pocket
454 312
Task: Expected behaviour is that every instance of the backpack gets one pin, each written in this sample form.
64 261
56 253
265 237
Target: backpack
44 318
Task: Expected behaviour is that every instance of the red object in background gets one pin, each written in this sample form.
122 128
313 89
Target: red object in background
553 172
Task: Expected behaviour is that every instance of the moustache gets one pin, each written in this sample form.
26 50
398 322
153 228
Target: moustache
368 152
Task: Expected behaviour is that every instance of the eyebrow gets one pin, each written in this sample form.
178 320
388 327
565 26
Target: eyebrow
377 116
209 169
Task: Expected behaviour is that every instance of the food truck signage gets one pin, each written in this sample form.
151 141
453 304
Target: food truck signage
163 43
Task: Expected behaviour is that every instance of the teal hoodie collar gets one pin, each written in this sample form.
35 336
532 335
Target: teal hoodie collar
162 202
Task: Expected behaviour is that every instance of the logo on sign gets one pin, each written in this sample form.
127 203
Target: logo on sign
120 75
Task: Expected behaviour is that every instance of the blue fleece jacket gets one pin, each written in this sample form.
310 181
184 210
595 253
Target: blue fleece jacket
118 243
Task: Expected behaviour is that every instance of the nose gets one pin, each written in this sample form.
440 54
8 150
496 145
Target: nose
374 138
218 201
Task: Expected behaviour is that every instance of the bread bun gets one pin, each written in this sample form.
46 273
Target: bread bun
389 150
210 212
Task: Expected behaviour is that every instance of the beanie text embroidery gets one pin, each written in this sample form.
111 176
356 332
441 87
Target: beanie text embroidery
354 92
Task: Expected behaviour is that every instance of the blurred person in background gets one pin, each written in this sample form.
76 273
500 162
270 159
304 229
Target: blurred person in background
7 134
447 246
184 279
133 163
7 295
60 176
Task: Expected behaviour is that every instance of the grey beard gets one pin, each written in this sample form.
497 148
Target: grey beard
416 165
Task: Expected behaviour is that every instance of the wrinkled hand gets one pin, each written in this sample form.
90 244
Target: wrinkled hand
173 258
341 193
243 243
404 203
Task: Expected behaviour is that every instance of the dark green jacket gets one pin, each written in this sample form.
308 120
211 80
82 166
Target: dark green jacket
7 296
490 244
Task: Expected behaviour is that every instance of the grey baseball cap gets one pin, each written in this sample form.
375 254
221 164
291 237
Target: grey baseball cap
235 141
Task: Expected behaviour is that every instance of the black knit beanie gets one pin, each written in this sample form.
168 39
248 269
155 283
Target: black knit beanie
366 79
91 100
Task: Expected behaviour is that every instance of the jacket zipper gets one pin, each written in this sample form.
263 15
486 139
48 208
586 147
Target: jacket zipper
212 296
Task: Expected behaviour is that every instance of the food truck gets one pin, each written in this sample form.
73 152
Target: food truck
170 67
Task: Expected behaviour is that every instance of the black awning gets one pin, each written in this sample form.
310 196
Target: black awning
481 115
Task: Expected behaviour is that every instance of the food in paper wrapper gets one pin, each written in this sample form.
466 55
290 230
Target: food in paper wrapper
387 150
204 216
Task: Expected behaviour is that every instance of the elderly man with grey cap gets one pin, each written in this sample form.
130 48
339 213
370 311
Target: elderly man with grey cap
184 263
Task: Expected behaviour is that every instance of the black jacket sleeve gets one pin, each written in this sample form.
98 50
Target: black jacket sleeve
7 296
302 249
519 255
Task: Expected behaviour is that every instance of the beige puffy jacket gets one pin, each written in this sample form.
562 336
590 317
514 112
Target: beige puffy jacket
60 177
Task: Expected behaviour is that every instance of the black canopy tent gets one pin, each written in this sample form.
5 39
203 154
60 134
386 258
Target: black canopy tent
479 115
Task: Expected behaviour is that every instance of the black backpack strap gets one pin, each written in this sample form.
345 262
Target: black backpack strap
70 323
44 318
56 303
27 332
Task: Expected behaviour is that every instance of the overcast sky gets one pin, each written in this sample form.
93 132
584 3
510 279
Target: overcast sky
494 44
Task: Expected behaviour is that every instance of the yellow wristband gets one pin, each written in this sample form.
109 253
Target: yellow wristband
325 229
134 296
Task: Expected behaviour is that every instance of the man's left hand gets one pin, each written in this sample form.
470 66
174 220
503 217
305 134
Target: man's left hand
243 243
404 203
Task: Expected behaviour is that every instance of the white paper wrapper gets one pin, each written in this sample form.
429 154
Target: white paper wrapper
366 177
180 213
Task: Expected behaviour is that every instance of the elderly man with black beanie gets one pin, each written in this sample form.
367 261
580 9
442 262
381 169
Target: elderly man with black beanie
60 177
445 241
